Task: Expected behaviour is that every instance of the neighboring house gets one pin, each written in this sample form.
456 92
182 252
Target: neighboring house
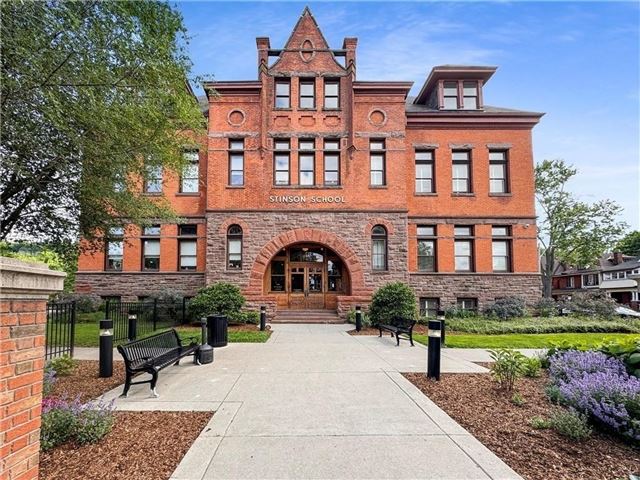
613 273
316 188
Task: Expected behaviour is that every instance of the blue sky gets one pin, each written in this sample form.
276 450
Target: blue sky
578 62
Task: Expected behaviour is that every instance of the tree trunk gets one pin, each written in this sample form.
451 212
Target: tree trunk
547 272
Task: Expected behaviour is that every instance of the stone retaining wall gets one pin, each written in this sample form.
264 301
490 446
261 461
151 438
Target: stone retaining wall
130 285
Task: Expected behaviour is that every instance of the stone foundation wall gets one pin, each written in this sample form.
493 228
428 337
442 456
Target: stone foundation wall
485 287
131 285
354 228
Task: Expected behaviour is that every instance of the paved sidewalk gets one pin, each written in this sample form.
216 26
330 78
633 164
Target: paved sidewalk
315 402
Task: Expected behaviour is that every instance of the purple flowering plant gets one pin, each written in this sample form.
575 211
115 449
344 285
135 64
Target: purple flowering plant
599 386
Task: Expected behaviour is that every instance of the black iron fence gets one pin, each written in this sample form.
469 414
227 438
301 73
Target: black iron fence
60 329
149 316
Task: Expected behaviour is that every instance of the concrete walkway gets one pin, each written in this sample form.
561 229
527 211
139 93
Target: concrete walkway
315 402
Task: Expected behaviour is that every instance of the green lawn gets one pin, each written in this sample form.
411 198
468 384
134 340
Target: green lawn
543 325
544 340
87 335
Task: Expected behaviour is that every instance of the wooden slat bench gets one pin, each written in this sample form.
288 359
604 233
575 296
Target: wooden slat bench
152 354
398 326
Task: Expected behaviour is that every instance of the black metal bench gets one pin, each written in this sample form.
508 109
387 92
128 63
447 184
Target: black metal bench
152 354
398 326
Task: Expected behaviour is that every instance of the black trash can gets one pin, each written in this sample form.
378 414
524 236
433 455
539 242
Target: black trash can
217 327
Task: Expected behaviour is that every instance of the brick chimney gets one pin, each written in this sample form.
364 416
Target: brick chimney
263 45
618 258
350 44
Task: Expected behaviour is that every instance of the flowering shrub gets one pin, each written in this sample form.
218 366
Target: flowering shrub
598 386
63 420
49 380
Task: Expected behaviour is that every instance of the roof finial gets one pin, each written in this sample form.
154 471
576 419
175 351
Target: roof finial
306 11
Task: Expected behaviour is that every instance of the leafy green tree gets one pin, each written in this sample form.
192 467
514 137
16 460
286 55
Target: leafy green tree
570 231
630 244
93 94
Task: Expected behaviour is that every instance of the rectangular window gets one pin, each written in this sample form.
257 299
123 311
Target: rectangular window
463 249
114 254
570 282
424 172
151 230
236 162
450 95
332 162
306 162
590 280
278 278
379 254
498 172
188 254
461 172
331 93
426 248
469 304
377 156
429 307
281 159
187 230
153 180
470 95
151 254
307 93
501 248
190 174
283 93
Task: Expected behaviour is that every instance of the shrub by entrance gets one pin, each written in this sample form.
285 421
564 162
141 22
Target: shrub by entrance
392 300
220 298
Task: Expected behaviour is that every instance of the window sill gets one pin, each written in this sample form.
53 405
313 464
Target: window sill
283 109
506 194
380 272
379 187
151 194
187 194
235 187
332 110
314 109
462 194
234 270
425 194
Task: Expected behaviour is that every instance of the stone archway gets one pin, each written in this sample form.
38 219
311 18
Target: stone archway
310 235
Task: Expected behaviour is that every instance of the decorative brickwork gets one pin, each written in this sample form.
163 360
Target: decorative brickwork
23 308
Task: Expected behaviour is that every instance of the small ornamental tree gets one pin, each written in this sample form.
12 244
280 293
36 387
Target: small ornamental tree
220 298
394 299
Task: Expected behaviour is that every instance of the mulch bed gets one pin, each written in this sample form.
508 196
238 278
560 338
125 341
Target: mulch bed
487 413
85 383
141 446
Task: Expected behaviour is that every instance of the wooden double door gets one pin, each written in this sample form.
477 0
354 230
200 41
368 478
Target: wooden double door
307 286
306 277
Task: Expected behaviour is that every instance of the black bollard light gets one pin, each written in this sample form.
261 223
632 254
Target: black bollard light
263 318
132 332
205 351
433 352
440 317
106 348
358 318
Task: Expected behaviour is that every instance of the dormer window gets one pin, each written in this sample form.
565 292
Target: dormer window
450 93
470 95
460 95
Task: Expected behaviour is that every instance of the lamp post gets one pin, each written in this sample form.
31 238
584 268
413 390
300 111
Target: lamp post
434 333
358 318
132 332
106 348
440 316
263 318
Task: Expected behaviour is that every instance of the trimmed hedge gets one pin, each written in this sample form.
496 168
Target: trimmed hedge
394 299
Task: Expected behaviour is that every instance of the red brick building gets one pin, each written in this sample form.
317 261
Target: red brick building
315 188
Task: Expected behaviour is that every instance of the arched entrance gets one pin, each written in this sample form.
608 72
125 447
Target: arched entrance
307 276
260 288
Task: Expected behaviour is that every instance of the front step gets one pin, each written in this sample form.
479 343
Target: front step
307 316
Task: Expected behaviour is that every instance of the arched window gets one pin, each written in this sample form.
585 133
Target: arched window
234 247
379 248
